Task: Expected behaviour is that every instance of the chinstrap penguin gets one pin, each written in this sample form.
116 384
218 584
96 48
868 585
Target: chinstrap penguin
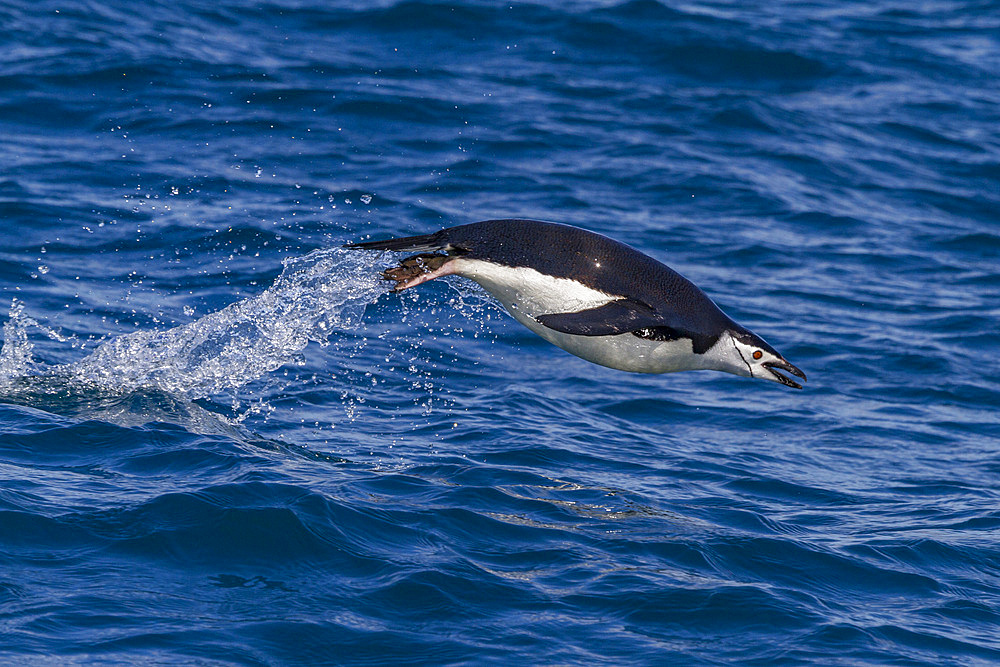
590 295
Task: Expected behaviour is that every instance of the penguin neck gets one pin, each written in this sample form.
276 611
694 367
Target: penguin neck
725 356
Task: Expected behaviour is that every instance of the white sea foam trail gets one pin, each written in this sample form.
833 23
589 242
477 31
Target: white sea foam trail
15 355
315 296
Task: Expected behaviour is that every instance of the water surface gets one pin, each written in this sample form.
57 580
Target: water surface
223 440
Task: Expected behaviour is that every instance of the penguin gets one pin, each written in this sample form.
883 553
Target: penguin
594 297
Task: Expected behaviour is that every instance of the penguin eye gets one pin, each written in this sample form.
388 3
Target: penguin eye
757 354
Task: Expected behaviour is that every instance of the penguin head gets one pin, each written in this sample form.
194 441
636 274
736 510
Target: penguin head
755 358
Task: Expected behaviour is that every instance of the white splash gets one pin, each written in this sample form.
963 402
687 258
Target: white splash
15 355
315 296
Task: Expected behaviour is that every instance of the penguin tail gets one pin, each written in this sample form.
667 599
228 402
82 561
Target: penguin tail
423 243
426 265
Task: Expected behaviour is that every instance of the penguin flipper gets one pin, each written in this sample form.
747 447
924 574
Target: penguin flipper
615 317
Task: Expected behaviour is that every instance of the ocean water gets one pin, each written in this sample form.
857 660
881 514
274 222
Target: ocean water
224 441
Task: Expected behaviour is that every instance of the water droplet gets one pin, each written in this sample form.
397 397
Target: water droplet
367 199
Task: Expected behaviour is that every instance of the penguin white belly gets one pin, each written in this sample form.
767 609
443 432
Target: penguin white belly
624 352
527 293
525 290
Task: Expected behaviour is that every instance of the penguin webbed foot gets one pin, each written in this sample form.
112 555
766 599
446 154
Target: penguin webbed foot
416 269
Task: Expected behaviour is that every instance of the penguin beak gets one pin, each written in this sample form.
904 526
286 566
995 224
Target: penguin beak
787 367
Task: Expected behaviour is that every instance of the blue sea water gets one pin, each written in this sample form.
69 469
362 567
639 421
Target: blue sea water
223 441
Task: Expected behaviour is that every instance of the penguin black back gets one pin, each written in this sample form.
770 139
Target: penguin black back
594 260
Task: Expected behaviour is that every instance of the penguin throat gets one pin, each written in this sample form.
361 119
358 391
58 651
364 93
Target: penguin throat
739 352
